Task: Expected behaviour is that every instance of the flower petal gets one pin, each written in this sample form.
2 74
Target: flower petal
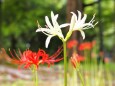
48 22
82 33
48 40
83 19
79 16
64 25
41 29
54 21
56 16
73 20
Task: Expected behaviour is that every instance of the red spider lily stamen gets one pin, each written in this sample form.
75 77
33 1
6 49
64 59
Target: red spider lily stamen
58 52
27 58
5 55
51 59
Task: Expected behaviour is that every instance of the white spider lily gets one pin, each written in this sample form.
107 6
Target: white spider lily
53 29
78 23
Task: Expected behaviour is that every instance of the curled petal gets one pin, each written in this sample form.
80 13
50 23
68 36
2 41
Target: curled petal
74 17
64 25
48 40
82 33
41 29
84 18
56 16
79 16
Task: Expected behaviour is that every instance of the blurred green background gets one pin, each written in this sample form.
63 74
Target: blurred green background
18 22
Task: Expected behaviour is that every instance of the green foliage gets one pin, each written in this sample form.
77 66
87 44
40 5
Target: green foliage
20 21
107 19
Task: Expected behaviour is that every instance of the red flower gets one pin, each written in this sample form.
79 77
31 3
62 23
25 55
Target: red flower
28 58
72 43
76 59
86 45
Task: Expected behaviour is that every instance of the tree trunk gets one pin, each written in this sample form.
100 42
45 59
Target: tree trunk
0 22
73 6
113 50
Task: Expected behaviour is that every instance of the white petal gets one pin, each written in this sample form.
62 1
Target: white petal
73 21
54 20
52 14
48 40
48 22
41 29
83 19
56 16
45 31
82 33
64 25
74 16
79 16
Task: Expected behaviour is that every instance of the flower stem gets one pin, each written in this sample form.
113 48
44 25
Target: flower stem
81 78
65 63
35 73
36 78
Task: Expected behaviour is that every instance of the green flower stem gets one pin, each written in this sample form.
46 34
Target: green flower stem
81 78
35 73
36 78
65 63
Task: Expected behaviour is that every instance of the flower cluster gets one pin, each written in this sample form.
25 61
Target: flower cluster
86 45
54 29
29 58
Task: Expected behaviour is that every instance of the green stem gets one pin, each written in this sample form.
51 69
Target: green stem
65 63
81 78
36 79
35 73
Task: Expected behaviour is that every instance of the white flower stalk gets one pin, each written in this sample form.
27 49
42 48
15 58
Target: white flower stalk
78 23
53 29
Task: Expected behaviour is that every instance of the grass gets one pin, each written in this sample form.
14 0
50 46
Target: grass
90 75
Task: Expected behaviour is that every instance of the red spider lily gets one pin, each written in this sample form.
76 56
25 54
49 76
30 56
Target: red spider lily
86 45
72 43
45 58
76 59
28 58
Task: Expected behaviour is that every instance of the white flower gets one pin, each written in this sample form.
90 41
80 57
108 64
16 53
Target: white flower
52 30
78 23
